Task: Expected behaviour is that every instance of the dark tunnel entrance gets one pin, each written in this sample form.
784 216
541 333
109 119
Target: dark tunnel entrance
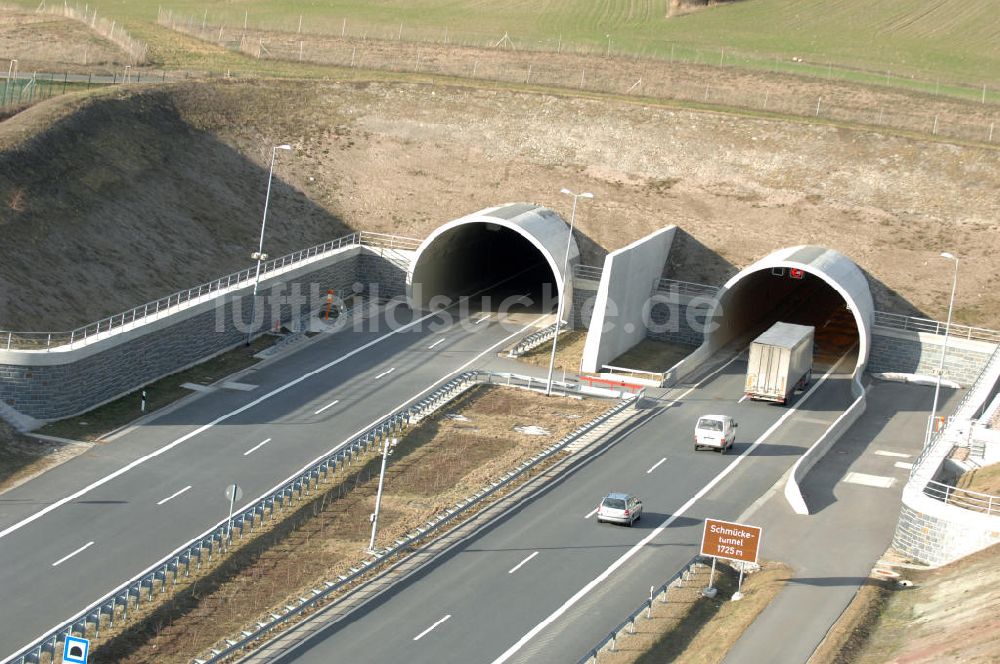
765 297
496 268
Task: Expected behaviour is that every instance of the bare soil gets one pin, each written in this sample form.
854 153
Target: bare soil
652 355
982 480
694 629
384 157
569 353
950 614
23 457
43 42
437 463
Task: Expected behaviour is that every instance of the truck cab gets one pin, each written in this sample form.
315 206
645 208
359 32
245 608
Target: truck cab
717 432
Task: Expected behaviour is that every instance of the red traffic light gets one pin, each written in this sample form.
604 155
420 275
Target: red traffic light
796 273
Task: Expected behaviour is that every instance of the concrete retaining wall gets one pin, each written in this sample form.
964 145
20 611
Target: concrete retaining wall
909 352
62 383
620 311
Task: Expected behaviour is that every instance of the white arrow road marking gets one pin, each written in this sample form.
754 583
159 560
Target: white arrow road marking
329 405
439 341
426 631
656 465
385 373
174 495
518 566
256 447
65 558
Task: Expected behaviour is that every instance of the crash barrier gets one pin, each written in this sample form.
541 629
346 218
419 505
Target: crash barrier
534 340
51 341
164 573
655 594
816 451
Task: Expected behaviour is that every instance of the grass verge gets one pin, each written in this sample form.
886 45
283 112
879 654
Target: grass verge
100 421
569 353
438 462
694 629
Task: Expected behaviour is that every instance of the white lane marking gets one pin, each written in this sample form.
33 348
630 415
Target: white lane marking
65 558
591 512
580 594
892 454
439 341
428 630
256 447
205 427
904 465
656 465
743 398
865 479
385 373
518 566
483 319
173 495
329 405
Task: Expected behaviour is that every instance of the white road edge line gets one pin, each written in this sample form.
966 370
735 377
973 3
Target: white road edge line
518 566
205 427
256 447
656 465
428 630
329 405
174 495
385 373
439 341
65 558
580 594
592 513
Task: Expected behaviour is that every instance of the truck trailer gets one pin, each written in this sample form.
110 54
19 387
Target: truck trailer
780 362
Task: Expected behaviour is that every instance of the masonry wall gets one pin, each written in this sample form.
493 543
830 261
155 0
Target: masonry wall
936 541
582 307
907 352
676 322
60 384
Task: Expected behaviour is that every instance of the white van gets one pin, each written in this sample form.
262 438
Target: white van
717 432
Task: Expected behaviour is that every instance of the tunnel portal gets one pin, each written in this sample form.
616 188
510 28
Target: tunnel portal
506 259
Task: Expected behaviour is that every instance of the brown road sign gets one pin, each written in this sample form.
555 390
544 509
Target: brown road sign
734 541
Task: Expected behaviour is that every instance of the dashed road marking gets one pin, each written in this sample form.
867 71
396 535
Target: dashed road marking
656 465
385 373
65 558
329 405
428 630
592 513
256 447
904 465
174 495
439 341
518 566
886 453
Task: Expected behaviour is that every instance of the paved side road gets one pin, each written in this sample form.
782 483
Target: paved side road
854 496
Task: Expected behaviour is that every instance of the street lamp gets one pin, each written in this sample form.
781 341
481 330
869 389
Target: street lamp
259 255
562 295
944 348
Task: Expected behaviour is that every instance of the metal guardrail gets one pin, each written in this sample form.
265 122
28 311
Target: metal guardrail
646 607
534 340
970 500
591 272
129 595
633 373
688 288
914 324
10 340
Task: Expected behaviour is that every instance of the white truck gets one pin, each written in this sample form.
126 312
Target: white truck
780 362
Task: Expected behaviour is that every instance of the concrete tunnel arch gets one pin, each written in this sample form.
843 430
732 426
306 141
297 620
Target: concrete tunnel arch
508 242
736 310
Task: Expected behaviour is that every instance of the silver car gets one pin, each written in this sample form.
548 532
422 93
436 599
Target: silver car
619 508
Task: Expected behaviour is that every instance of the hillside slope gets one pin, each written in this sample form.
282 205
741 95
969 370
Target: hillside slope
110 200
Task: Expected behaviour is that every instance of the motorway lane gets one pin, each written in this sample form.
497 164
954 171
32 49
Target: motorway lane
491 608
130 530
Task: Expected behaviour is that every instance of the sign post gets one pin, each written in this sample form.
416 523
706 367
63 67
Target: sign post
233 493
732 541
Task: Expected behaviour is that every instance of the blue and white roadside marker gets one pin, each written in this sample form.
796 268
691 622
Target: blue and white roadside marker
75 650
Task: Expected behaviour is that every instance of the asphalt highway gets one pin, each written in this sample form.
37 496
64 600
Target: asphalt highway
75 533
547 582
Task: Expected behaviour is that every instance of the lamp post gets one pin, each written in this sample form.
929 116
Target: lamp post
259 255
562 295
944 349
